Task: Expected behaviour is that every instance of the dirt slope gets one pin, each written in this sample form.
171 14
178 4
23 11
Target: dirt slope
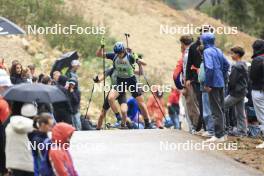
142 19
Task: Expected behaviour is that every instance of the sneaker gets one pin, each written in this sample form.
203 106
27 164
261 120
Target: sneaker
149 126
216 139
260 146
237 134
207 134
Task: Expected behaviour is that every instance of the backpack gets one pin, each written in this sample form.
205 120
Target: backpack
45 165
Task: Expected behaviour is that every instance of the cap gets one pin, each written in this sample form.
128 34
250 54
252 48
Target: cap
29 110
75 63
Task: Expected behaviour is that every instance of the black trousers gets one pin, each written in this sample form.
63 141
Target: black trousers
21 173
216 98
2 150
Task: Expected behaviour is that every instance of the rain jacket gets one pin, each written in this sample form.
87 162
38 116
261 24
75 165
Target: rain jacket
36 138
216 65
59 156
18 153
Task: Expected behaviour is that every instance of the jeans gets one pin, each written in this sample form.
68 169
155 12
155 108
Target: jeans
239 108
258 102
76 121
216 98
207 114
174 111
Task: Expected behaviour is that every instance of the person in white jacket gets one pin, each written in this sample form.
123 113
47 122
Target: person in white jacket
18 152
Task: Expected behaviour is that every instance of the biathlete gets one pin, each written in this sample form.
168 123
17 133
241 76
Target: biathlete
121 100
124 63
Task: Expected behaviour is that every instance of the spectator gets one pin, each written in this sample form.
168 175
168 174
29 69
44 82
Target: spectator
46 80
192 105
133 113
174 108
32 69
18 158
192 66
237 88
42 125
257 79
216 67
72 71
75 99
63 110
4 114
16 74
40 77
60 157
56 76
155 105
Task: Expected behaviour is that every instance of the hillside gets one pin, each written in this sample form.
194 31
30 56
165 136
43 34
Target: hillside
142 19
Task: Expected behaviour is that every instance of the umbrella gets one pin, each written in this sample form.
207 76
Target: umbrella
8 28
64 61
39 93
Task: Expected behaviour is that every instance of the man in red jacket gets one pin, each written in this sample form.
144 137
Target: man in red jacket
59 155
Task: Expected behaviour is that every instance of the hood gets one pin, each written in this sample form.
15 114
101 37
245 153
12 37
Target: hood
258 48
21 125
61 132
208 39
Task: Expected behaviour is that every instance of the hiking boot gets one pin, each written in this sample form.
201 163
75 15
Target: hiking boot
216 139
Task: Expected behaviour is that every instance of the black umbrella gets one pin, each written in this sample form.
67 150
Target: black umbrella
9 28
64 61
39 93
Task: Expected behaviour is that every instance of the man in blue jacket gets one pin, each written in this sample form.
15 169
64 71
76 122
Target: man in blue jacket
216 68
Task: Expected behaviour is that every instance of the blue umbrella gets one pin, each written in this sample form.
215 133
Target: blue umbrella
9 28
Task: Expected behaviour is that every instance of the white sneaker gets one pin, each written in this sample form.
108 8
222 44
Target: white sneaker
216 139
207 134
260 146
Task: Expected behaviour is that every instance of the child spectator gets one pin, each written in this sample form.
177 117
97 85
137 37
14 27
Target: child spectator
59 156
174 108
43 125
155 108
237 88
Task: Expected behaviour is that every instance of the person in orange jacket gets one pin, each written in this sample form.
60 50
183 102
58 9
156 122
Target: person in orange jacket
59 155
154 107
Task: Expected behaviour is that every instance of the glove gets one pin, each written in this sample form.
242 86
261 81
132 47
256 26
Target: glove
102 42
96 79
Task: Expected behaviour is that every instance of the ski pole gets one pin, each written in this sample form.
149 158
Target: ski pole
127 35
154 97
90 99
103 53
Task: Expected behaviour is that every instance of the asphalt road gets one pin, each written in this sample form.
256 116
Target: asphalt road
150 153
